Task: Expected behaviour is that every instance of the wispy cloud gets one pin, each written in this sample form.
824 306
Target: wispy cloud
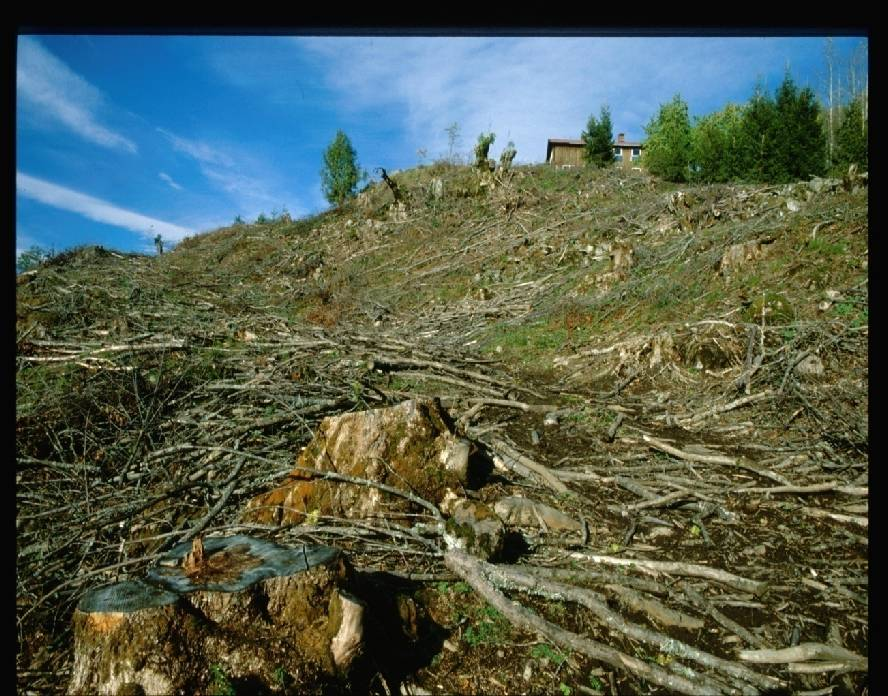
168 179
200 151
96 209
252 194
530 89
46 83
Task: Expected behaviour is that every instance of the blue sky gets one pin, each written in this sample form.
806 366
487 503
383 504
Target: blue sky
120 138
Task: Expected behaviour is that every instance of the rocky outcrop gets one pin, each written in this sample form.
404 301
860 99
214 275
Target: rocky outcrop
409 446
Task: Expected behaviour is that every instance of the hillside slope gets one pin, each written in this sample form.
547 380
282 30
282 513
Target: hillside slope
691 362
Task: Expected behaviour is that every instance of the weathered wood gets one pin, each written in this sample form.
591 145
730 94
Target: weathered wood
252 605
513 459
755 587
472 571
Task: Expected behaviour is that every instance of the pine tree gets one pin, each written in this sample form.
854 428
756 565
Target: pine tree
851 139
340 175
667 151
599 139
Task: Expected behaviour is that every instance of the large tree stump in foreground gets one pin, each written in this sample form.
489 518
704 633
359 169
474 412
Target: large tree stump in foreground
232 609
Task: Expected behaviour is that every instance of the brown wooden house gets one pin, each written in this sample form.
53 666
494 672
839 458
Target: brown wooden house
626 152
569 153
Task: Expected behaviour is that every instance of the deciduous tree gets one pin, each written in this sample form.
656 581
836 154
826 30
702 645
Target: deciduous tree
599 139
667 151
340 175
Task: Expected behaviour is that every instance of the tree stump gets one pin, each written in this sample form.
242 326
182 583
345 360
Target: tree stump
223 613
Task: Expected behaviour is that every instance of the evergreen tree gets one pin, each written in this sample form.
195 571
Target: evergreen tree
340 175
799 143
851 139
757 137
809 141
599 139
667 150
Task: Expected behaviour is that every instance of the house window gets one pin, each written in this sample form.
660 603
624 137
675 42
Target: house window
636 153
618 154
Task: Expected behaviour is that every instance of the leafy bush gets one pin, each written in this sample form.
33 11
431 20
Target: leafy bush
507 156
485 140
32 257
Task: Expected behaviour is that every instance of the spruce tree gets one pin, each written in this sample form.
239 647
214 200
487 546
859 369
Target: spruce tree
599 139
340 175
757 134
851 139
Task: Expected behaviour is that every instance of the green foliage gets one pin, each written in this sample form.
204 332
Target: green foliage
219 684
340 175
238 220
596 683
782 139
757 137
550 653
485 140
599 139
492 628
715 146
852 139
565 689
668 146
799 142
507 156
32 257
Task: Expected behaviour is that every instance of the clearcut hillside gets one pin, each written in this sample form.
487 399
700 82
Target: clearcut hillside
689 362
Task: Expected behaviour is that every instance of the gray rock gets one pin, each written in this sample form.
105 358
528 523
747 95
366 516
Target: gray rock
811 366
523 512
475 528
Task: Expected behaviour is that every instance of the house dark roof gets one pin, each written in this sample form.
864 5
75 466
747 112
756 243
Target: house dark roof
628 143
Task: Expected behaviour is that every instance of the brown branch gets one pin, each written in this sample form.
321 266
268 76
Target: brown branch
472 571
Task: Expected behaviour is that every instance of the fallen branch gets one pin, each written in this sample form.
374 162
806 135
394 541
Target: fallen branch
516 577
471 570
851 519
755 587
715 410
802 653
687 456
814 488
524 466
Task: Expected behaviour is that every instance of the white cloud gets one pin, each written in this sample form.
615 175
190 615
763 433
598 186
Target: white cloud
531 89
251 194
47 83
202 152
96 209
168 179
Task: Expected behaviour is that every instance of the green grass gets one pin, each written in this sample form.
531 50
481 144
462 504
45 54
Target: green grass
549 652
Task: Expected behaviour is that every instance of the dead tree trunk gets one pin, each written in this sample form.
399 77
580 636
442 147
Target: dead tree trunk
396 192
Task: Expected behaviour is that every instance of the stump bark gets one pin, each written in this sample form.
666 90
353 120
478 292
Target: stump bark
237 609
